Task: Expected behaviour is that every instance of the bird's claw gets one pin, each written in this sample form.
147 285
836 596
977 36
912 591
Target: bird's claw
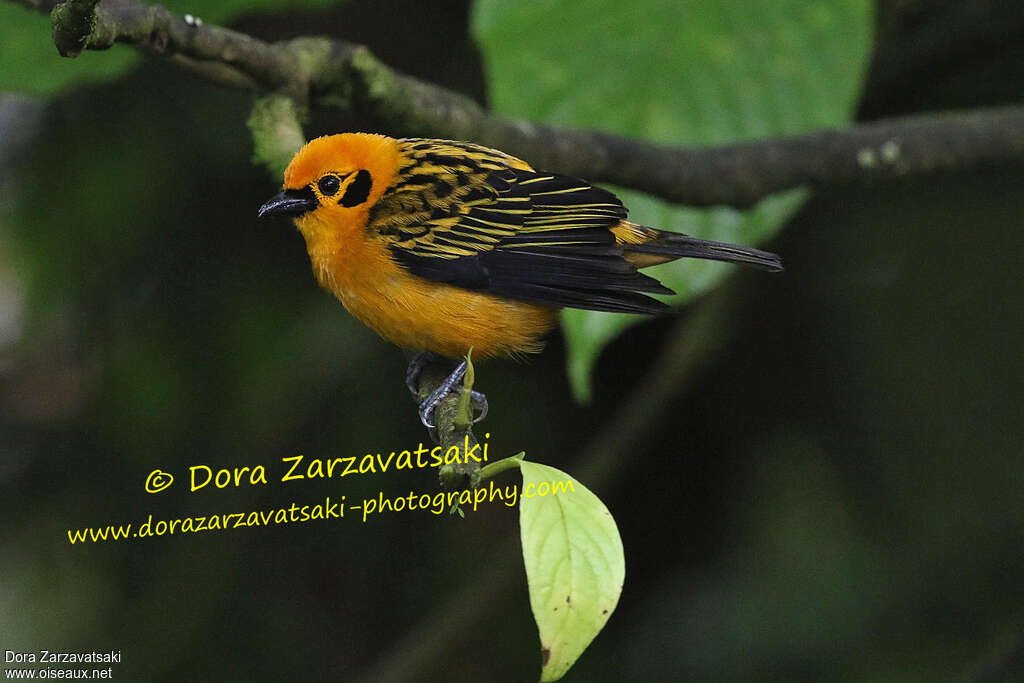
426 410
478 401
412 373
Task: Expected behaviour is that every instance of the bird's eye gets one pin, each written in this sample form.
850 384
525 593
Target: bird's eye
329 185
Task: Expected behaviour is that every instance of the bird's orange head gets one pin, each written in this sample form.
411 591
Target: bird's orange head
333 181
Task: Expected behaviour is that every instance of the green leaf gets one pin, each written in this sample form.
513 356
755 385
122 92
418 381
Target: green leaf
694 73
29 62
574 564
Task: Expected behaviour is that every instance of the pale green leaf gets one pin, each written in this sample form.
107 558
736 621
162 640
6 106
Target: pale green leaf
683 72
574 564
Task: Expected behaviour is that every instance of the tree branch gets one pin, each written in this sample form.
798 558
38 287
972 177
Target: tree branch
333 73
154 28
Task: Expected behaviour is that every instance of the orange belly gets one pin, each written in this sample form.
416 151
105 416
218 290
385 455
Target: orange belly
446 320
419 314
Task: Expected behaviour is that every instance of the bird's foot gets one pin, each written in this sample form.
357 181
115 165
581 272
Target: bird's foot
416 365
478 402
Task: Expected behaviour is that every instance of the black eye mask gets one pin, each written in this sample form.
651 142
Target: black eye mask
358 190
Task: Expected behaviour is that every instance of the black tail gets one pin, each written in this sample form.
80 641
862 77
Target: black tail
675 245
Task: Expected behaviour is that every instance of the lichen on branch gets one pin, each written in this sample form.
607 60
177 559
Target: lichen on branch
73 23
275 124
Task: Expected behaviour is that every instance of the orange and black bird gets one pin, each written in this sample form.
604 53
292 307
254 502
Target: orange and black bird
442 246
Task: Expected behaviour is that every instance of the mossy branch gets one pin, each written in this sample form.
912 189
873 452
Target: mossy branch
73 22
332 73
454 425
275 124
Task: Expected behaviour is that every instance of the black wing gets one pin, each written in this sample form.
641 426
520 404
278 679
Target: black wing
482 225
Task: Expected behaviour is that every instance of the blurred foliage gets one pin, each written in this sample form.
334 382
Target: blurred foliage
836 498
871 496
683 73
32 64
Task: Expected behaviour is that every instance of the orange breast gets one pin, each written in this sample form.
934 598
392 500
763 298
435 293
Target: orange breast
412 312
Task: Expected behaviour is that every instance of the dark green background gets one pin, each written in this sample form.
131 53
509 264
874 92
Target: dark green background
838 496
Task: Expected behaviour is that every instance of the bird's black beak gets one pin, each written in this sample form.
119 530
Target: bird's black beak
289 203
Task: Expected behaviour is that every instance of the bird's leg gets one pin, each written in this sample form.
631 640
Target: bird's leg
428 405
412 374
419 361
